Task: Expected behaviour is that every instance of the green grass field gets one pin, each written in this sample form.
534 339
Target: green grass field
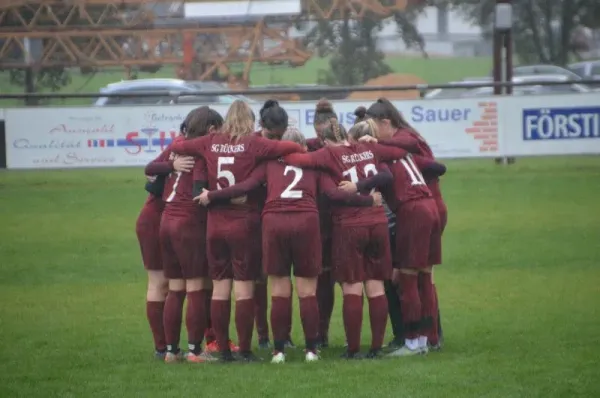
433 70
518 290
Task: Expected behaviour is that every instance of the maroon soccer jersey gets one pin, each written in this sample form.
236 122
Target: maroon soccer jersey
409 183
229 161
178 193
290 189
353 162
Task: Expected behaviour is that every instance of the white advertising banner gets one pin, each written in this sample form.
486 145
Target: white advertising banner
552 125
454 128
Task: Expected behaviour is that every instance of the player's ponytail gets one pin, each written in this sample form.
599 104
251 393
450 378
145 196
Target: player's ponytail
239 121
334 131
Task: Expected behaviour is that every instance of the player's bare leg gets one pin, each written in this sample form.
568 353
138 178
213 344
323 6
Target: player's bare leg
411 312
156 294
220 311
195 319
244 317
352 316
309 314
172 319
281 295
378 314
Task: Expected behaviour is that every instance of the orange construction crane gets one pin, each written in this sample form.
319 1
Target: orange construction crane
130 33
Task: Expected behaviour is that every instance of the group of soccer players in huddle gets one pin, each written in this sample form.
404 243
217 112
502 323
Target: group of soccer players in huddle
230 208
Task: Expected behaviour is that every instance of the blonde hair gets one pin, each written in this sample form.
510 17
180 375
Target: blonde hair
295 135
366 127
239 121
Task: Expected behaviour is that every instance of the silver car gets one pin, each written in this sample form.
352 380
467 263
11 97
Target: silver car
536 89
173 85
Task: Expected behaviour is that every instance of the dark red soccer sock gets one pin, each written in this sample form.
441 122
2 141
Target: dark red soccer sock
209 334
352 314
154 313
378 314
411 304
309 315
260 311
244 323
325 299
195 320
220 312
280 319
429 309
172 319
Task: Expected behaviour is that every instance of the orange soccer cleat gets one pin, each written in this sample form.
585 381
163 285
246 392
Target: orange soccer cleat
213 347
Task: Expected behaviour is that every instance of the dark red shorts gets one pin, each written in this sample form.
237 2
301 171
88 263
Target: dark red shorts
291 238
147 229
418 235
361 253
234 245
183 245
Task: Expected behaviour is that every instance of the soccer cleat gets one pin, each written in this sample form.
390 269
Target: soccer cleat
311 356
374 354
160 355
171 357
278 357
264 344
404 351
226 357
435 347
233 347
248 357
213 347
199 358
352 355
289 343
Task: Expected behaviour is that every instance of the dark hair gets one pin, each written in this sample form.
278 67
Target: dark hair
335 131
275 121
200 120
384 109
270 103
324 112
360 113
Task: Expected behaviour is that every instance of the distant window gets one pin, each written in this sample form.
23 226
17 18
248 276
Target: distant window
579 70
595 70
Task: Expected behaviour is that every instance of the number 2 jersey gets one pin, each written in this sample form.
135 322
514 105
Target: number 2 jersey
230 161
352 162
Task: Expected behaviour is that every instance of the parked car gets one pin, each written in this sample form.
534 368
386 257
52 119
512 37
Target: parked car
544 69
573 88
588 70
439 93
146 85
